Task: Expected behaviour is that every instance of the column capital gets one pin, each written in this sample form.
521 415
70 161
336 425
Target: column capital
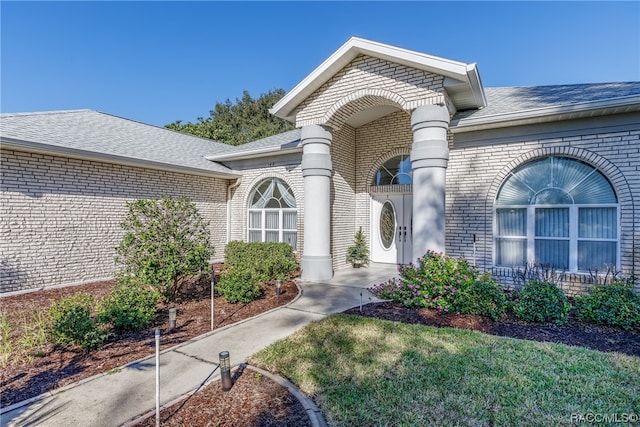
315 134
430 116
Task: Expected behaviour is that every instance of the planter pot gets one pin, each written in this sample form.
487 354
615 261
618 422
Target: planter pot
357 264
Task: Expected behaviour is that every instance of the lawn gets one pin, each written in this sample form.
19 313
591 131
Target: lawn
364 371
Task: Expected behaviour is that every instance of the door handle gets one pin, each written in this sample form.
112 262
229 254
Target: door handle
405 234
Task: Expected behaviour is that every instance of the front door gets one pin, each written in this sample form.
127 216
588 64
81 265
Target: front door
391 229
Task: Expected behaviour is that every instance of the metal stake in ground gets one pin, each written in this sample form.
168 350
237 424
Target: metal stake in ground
213 283
157 377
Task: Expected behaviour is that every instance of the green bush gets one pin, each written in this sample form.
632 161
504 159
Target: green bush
166 242
72 322
239 286
265 260
129 306
483 297
615 304
539 301
445 284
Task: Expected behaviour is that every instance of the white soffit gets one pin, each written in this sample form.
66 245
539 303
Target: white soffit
465 77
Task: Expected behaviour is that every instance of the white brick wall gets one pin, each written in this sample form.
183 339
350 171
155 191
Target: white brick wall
60 217
475 175
291 174
370 81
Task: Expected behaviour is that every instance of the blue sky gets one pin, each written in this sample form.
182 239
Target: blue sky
157 62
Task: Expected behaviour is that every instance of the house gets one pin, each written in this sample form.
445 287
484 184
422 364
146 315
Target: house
410 147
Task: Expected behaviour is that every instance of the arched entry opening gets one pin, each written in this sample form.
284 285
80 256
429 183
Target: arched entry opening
391 211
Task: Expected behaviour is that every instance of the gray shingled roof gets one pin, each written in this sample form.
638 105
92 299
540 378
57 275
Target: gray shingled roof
93 132
288 139
505 100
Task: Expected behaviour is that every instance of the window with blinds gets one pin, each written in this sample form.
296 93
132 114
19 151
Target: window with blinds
557 212
273 216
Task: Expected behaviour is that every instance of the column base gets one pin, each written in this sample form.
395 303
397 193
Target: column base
315 268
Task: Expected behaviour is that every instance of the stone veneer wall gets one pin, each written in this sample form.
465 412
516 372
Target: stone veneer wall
475 174
291 174
60 217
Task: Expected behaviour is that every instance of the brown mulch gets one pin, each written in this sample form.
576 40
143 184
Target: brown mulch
55 367
573 333
254 400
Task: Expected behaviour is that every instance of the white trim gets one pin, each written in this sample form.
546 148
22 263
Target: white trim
547 114
465 73
53 150
262 152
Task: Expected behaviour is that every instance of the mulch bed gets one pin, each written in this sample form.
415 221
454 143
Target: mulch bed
56 367
254 400
573 333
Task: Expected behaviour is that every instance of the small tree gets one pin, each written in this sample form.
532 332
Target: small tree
358 254
166 242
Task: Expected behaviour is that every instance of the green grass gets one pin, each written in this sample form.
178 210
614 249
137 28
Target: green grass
370 372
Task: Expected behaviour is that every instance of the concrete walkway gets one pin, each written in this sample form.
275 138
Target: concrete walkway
113 399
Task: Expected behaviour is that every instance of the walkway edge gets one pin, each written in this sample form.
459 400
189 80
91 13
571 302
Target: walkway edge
48 394
313 412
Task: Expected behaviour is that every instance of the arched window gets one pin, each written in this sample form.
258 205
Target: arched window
396 170
272 213
557 212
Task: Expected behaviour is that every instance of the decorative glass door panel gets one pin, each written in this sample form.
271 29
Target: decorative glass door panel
391 229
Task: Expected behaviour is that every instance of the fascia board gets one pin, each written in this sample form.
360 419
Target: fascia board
473 75
263 152
36 147
349 51
544 114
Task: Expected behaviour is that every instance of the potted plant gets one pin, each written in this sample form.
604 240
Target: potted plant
358 254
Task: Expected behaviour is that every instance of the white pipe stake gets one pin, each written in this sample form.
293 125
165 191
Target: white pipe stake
157 377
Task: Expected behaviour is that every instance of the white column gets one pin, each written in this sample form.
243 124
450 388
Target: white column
316 170
429 159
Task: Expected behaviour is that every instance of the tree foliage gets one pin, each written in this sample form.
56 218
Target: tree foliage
248 119
166 242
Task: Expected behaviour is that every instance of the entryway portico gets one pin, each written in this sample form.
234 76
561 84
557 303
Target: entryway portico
365 102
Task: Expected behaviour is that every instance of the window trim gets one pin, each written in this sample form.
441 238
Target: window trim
263 215
573 238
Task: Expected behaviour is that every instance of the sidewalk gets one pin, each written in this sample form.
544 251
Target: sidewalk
113 399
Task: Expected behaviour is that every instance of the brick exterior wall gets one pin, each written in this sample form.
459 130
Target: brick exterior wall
475 174
291 174
378 142
369 81
60 217
343 185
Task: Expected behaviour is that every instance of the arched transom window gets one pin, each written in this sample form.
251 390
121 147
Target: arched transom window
557 212
272 213
396 170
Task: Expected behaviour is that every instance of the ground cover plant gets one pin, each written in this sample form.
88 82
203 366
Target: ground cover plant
363 371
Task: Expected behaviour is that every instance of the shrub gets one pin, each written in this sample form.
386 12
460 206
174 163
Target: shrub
483 297
615 304
129 307
443 283
359 252
72 322
166 241
239 286
265 260
539 301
